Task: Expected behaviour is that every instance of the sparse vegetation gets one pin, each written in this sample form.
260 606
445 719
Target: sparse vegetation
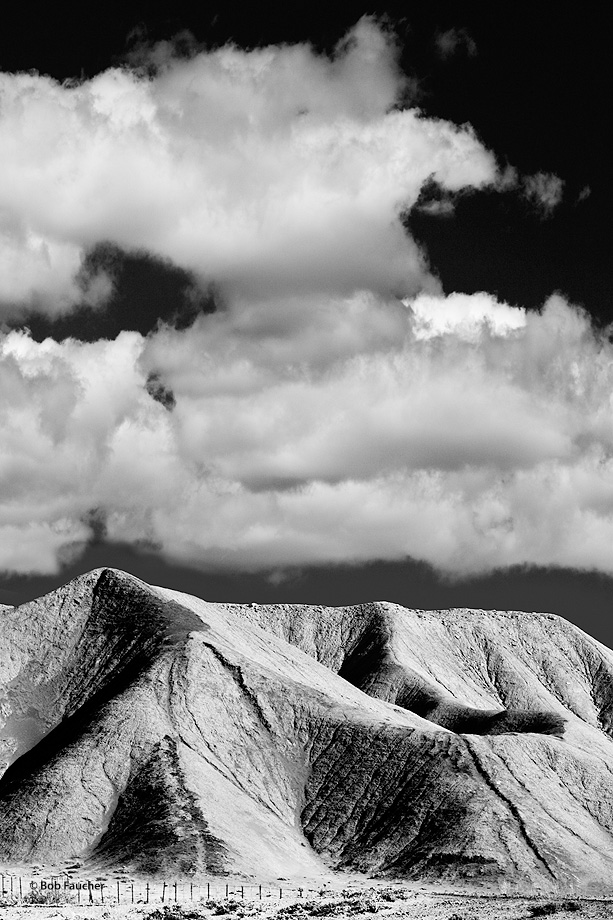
393 894
224 906
175 912
354 902
541 910
552 907
36 896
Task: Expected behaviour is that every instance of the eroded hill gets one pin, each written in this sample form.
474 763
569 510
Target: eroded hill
149 729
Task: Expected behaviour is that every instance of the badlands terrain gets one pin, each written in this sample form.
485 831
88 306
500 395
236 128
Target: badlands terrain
151 732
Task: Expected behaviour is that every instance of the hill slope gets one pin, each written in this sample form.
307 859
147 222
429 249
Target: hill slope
150 729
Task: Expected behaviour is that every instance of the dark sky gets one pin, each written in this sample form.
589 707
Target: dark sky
583 598
536 92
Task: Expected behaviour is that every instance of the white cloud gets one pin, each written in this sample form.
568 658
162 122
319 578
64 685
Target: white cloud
270 171
44 274
462 432
545 190
465 315
442 207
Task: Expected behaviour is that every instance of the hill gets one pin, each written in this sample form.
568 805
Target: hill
152 730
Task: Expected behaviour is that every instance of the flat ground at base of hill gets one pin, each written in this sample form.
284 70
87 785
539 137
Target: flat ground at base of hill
374 902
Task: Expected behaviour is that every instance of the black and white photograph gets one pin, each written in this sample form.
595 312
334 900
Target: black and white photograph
306 461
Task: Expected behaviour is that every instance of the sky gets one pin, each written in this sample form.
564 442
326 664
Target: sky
308 306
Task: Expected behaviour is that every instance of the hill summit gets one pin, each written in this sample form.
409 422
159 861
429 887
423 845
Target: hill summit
148 729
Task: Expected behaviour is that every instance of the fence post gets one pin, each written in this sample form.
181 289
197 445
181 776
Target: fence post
118 898
163 892
260 892
242 892
175 891
280 892
147 890
208 891
102 893
133 892
191 891
226 891
20 889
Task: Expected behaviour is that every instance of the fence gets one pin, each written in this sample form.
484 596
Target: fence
67 888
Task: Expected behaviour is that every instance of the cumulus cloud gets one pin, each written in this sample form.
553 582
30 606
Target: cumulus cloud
271 171
460 431
337 407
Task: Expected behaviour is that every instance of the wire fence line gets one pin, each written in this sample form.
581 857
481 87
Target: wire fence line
56 889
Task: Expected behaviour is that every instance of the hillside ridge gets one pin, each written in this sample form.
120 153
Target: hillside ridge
150 729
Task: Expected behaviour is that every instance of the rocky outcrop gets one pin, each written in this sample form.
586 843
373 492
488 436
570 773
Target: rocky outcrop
151 730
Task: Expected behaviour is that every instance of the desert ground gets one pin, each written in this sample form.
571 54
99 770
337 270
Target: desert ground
355 902
285 899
